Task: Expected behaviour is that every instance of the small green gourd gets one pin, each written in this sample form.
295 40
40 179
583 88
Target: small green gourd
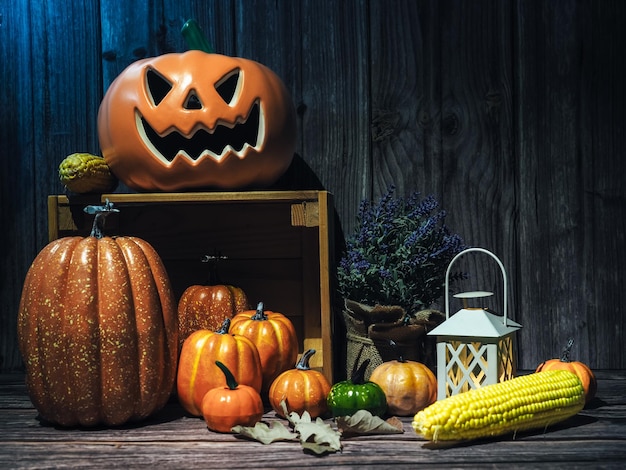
349 396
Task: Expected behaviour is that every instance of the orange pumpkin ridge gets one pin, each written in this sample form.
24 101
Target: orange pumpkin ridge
197 373
302 389
197 119
409 386
274 336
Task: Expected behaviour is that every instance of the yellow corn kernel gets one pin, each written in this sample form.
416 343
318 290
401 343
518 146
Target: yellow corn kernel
528 402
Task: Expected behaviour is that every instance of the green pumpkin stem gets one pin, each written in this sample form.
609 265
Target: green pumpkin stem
358 377
396 350
230 378
260 313
303 363
97 229
225 327
565 356
195 38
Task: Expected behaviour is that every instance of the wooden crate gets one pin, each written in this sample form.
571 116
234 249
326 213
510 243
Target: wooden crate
278 247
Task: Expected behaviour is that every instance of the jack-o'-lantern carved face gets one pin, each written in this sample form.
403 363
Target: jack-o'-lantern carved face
191 120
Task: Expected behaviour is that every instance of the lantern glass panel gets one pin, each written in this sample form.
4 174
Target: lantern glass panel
506 355
466 366
475 364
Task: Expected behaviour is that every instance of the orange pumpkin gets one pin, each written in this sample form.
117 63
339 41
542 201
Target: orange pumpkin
197 373
233 405
206 307
274 336
97 329
409 386
584 373
190 120
302 389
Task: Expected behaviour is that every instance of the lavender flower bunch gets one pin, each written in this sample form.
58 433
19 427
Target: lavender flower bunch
399 253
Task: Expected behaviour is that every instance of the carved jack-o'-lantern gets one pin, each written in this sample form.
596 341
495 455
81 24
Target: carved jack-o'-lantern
191 120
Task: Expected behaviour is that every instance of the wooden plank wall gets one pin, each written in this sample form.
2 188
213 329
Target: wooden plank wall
510 112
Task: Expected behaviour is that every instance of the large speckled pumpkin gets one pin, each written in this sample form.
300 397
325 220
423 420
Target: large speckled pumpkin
188 120
97 329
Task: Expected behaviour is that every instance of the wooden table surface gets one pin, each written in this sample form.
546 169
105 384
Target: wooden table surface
595 438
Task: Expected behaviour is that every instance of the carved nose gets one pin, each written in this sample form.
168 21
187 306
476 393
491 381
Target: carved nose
192 101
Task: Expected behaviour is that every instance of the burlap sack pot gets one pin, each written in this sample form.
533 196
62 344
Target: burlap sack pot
369 329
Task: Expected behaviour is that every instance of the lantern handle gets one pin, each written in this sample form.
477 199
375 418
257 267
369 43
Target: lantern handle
481 250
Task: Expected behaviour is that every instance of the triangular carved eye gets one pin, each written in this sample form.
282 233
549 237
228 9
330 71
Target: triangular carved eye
228 87
158 86
192 101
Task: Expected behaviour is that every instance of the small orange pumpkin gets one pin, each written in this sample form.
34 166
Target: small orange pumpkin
189 120
584 373
302 389
409 386
274 336
196 366
232 405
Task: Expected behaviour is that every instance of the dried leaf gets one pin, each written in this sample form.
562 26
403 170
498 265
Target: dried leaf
319 433
316 436
319 449
363 422
266 434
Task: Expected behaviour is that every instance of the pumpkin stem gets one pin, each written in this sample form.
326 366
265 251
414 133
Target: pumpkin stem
225 327
396 350
565 356
97 229
260 313
303 363
230 378
358 377
194 37
214 277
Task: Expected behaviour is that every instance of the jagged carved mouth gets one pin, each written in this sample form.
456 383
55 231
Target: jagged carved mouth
214 143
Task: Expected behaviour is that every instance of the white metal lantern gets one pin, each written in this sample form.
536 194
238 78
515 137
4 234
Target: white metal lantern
475 347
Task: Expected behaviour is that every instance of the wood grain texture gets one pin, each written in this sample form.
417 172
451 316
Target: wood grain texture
170 438
604 192
214 18
48 109
405 96
510 113
560 173
478 188
334 105
17 154
128 33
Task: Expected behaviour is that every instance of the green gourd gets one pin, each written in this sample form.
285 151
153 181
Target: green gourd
349 396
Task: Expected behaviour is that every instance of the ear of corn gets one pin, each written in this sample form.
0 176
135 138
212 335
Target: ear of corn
528 402
86 173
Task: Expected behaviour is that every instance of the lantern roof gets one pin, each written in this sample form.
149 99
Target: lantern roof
476 322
